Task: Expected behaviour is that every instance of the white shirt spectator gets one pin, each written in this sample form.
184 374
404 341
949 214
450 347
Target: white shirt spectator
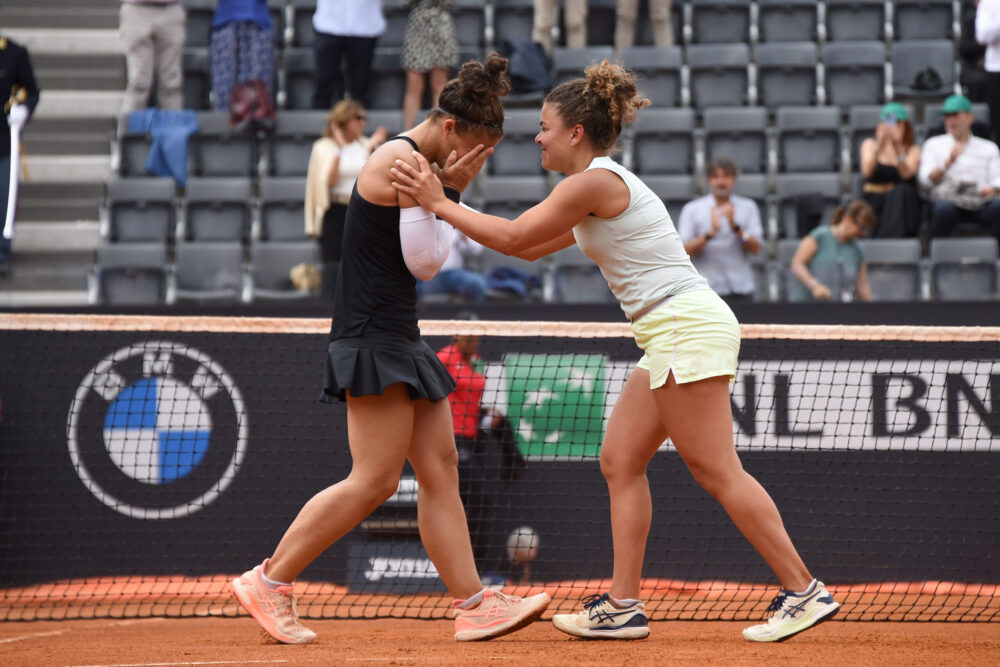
349 18
988 32
723 261
979 163
461 247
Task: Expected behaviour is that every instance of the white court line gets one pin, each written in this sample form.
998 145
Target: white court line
11 640
176 664
394 659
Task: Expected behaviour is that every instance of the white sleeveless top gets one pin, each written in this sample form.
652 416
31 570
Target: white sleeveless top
639 251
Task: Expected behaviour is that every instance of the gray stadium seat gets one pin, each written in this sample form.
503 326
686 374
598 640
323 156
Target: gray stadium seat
861 123
209 271
139 210
517 154
470 23
271 265
129 274
133 149
923 19
215 150
217 209
644 27
788 20
720 74
809 139
964 269
388 82
302 28
782 266
296 78
658 72
600 22
740 134
569 63
199 21
719 21
675 191
663 141
196 85
894 272
790 186
910 57
510 196
855 72
577 279
291 142
760 264
787 73
390 119
282 209
512 19
396 13
849 20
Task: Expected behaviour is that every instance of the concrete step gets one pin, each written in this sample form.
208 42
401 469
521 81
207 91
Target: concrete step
62 237
58 15
42 298
48 271
64 71
59 136
79 104
66 40
44 202
68 168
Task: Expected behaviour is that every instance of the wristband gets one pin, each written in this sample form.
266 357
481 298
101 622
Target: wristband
452 194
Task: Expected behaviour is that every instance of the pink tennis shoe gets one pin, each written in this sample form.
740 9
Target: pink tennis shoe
274 610
497 615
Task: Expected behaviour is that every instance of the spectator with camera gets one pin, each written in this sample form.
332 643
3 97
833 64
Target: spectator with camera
889 163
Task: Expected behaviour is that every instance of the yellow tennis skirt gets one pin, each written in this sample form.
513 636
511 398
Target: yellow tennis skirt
693 334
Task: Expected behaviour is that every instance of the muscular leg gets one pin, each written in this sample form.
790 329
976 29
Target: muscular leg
379 429
440 515
699 418
633 435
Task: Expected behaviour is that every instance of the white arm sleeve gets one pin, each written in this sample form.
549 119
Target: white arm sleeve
425 241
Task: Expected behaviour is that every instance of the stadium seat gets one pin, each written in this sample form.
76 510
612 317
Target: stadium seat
909 58
215 150
718 21
470 23
577 279
658 72
396 13
510 196
271 265
963 269
675 191
282 209
855 73
787 74
719 74
792 186
196 85
569 63
760 265
390 119
199 22
517 154
139 210
512 19
600 22
216 209
808 138
861 123
302 28
644 27
129 274
133 149
924 19
291 142
788 21
894 268
208 271
388 82
296 79
663 141
740 134
782 267
852 20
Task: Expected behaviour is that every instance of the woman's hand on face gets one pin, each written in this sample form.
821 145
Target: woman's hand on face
458 172
419 182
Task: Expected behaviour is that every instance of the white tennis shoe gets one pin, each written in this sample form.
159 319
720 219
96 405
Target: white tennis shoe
791 614
601 619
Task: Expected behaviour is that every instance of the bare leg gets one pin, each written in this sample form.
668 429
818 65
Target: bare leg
440 515
412 98
633 435
700 421
438 77
379 429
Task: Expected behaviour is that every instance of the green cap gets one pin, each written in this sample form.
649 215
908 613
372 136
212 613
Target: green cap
895 109
956 103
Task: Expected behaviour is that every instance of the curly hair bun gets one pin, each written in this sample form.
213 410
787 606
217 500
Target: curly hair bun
616 86
486 81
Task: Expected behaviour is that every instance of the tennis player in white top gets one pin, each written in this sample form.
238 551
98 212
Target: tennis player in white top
689 335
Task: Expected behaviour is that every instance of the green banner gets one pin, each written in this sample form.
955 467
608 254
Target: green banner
556 403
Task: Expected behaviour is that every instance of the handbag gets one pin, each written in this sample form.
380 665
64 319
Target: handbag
251 107
926 79
963 194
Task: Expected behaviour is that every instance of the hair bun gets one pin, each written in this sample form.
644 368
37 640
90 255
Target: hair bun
485 81
615 86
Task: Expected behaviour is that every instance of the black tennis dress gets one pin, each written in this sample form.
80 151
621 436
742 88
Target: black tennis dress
374 340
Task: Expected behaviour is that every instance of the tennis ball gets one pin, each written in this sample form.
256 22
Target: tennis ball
522 545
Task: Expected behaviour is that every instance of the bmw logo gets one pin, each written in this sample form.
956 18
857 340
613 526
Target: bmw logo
157 430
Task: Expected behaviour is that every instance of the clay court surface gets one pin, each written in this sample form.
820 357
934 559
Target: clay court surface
234 641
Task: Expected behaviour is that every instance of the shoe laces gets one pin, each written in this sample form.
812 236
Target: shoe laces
593 604
277 602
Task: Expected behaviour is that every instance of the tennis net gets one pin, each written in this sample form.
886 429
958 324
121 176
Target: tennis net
147 460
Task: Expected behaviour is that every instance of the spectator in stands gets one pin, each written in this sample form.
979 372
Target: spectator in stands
242 48
429 49
962 173
720 231
334 165
152 33
988 34
575 18
346 32
454 278
626 16
971 53
19 92
889 163
829 263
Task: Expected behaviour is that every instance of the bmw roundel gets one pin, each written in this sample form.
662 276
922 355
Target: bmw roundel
157 430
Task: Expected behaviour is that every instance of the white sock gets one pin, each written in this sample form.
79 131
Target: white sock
469 603
622 604
807 591
270 584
